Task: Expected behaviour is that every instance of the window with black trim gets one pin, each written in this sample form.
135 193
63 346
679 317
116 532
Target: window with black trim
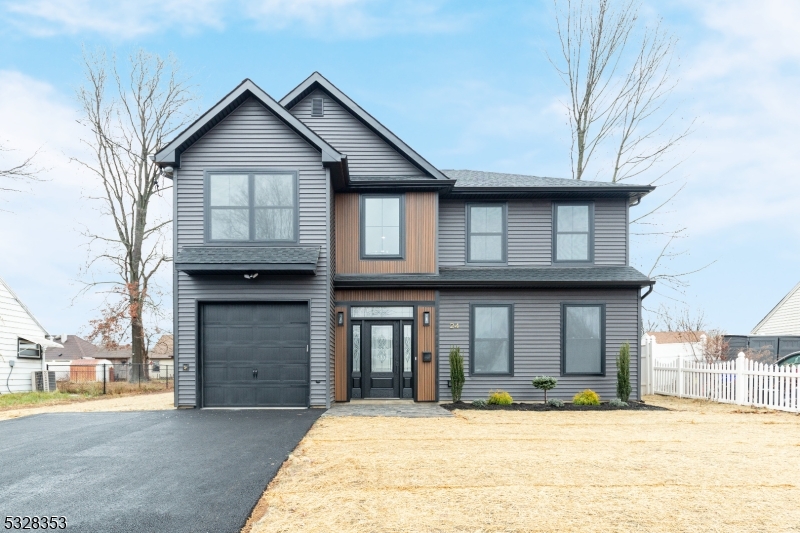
492 339
28 349
573 229
583 339
486 233
254 206
382 220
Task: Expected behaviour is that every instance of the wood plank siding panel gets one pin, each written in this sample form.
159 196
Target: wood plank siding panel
420 237
537 341
426 342
367 154
251 137
387 295
610 232
340 357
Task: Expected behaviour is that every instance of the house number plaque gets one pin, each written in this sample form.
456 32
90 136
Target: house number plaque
453 325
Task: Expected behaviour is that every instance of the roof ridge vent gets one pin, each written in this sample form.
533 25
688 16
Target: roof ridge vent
317 109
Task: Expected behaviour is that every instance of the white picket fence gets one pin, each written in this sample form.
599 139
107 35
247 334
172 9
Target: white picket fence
742 382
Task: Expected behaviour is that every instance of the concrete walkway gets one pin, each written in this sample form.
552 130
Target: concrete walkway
398 408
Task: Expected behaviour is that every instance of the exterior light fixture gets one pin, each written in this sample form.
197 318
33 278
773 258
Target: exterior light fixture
185 366
426 318
340 318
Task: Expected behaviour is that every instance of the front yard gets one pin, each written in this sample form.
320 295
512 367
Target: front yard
698 467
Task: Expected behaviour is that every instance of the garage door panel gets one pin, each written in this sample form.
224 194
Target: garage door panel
269 338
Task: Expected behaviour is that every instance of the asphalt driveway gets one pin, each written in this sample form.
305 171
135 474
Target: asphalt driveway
155 471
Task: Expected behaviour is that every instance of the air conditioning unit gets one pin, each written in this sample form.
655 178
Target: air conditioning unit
43 381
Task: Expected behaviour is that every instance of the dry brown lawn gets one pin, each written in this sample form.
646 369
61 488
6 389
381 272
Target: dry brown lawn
700 467
138 402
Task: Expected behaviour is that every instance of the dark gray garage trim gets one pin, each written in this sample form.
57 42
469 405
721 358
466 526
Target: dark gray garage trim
254 354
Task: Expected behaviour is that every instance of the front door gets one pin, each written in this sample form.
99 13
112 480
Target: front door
382 359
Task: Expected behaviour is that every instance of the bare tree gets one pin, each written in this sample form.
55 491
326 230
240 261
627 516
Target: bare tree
618 71
130 115
707 344
20 172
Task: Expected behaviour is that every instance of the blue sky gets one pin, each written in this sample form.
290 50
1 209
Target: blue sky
467 84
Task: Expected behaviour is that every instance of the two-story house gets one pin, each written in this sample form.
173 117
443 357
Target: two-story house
319 258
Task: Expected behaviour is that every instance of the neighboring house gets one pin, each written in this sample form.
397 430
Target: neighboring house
22 343
784 319
318 258
669 346
117 356
162 364
72 347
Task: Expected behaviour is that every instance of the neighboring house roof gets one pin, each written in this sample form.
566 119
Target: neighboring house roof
73 347
459 277
123 352
784 318
163 348
675 337
170 154
318 81
470 182
290 259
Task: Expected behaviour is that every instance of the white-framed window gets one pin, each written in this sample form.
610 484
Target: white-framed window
28 349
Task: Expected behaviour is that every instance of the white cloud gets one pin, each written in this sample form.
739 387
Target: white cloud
325 19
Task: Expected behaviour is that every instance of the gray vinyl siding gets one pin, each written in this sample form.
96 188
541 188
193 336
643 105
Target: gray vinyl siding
610 232
529 233
537 341
251 137
367 154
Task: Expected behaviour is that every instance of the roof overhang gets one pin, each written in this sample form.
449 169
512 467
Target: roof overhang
318 81
170 154
383 184
633 193
295 260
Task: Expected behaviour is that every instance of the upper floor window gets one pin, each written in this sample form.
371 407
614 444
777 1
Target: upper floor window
258 206
583 339
573 232
382 226
28 349
486 228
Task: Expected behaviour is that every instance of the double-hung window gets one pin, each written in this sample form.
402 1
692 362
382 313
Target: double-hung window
583 339
382 226
28 349
255 206
486 227
573 233
492 330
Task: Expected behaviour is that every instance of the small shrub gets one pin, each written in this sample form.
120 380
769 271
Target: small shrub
456 373
587 397
555 402
499 397
616 402
624 372
545 383
479 403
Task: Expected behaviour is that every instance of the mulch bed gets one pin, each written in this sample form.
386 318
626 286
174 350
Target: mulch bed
632 406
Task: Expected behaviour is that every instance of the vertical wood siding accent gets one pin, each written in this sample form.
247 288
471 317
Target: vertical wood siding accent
251 137
426 340
537 341
385 295
340 356
420 235
367 153
610 232
530 233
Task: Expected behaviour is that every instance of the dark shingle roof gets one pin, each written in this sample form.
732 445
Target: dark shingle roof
220 259
477 178
553 277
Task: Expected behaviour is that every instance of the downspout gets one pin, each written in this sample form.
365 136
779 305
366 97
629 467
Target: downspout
649 290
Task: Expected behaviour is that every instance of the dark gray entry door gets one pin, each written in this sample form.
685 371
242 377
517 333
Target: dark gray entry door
255 355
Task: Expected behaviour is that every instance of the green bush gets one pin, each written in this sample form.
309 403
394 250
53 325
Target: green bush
499 397
587 397
616 402
624 372
545 383
555 402
479 403
456 373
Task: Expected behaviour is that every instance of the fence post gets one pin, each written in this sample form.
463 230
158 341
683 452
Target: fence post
741 379
680 375
104 378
